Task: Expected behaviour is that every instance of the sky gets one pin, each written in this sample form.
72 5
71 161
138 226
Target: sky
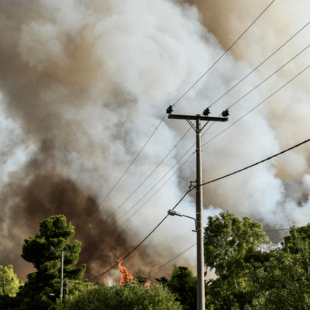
83 86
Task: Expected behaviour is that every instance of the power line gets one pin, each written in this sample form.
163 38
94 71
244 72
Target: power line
270 75
224 129
257 105
259 65
145 237
182 97
155 192
203 185
226 51
211 234
146 179
133 160
227 175
173 258
259 83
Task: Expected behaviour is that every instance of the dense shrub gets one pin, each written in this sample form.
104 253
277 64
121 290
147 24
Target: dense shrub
132 296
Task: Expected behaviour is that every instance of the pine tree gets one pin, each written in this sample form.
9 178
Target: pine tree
56 233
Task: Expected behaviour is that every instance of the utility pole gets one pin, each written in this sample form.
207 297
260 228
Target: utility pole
5 281
199 206
62 267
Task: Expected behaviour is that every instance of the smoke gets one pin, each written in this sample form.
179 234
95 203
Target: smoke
48 194
83 85
277 192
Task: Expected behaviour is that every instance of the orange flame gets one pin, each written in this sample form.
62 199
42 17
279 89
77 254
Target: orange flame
125 275
147 284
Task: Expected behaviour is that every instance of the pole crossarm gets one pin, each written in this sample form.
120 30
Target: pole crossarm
198 116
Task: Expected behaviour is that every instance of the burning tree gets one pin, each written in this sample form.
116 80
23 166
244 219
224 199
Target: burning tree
127 277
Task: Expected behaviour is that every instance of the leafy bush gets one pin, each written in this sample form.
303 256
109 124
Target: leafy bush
132 296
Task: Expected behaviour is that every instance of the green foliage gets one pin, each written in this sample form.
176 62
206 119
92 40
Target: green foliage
228 239
55 232
279 281
12 282
130 296
252 279
183 284
141 279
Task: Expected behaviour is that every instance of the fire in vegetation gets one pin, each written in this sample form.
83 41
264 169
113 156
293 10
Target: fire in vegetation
126 276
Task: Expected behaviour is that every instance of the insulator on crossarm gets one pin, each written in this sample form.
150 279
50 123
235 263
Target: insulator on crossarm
169 109
225 113
206 112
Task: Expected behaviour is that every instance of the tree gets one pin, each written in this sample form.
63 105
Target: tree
141 279
249 278
183 284
8 299
12 287
54 232
281 276
278 280
227 241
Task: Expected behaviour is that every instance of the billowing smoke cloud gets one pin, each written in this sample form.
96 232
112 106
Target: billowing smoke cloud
48 194
276 193
84 84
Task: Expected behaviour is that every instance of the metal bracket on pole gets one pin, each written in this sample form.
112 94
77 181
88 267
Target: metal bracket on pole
195 227
192 184
191 124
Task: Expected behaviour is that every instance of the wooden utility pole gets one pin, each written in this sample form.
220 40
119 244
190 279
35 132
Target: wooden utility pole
199 191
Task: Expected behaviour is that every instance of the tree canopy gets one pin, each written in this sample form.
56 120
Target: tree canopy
250 278
183 284
54 232
11 281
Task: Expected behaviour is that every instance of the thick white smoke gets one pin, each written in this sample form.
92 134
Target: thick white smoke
88 82
276 192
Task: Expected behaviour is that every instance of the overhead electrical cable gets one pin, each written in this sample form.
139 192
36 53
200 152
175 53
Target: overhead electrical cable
133 160
173 258
227 175
223 130
154 193
270 76
147 177
143 239
226 51
256 105
182 97
261 84
211 234
260 64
